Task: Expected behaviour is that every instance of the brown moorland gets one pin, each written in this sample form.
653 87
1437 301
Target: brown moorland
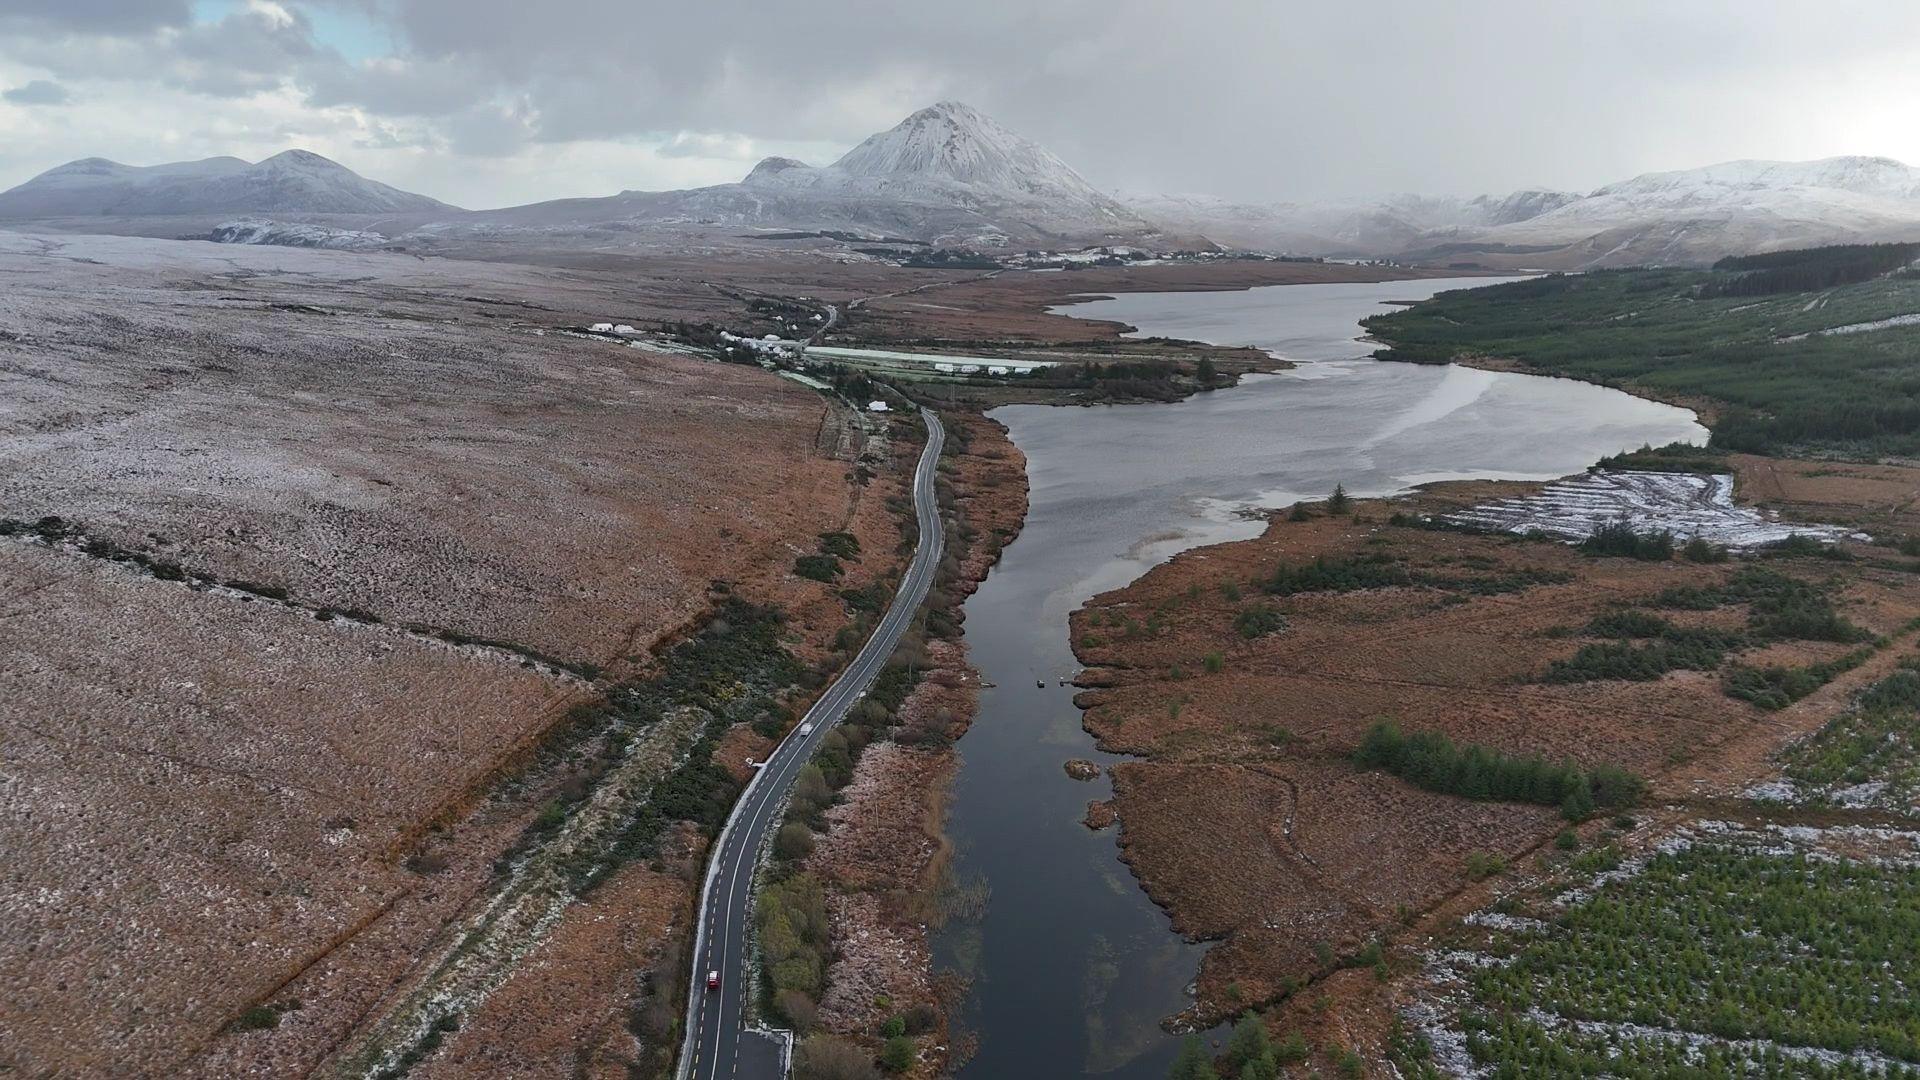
1305 856
219 799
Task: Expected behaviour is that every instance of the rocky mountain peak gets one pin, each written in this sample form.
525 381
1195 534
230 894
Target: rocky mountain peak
952 141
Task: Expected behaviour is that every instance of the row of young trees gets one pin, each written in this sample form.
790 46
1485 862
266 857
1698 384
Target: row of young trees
1776 686
1339 574
1621 539
1431 760
1678 649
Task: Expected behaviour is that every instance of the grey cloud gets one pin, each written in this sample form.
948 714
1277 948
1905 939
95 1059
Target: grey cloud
1256 99
94 15
392 86
245 53
702 144
487 131
1244 98
37 92
382 135
765 70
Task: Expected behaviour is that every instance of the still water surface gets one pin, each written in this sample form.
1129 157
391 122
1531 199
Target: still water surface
1073 966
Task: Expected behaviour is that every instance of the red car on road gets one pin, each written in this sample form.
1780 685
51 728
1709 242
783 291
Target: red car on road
713 980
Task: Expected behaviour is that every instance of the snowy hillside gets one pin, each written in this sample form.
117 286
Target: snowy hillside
296 181
294 234
1873 177
1341 228
1690 216
1699 215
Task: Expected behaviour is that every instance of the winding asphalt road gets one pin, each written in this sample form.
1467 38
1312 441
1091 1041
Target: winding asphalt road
718 1046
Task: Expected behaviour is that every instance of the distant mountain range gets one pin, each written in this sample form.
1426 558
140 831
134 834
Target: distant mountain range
1382 227
292 182
950 176
947 174
1685 217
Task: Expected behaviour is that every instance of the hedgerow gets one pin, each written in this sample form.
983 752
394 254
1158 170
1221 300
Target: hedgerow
1621 538
1346 574
1431 760
1675 649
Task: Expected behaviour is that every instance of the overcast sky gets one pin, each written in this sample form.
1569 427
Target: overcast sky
494 102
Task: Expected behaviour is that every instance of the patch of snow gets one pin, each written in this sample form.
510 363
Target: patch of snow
1860 795
1493 920
1781 791
805 380
1685 504
293 234
1877 324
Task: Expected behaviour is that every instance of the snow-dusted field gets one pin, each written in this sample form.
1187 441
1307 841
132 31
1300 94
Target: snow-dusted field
1685 504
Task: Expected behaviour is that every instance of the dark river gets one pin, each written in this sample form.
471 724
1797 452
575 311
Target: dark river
1073 966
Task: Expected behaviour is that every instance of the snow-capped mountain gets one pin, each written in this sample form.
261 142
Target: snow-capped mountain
950 148
296 181
1690 216
1698 215
947 174
1871 177
952 156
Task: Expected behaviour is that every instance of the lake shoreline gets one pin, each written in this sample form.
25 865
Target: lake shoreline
1226 524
